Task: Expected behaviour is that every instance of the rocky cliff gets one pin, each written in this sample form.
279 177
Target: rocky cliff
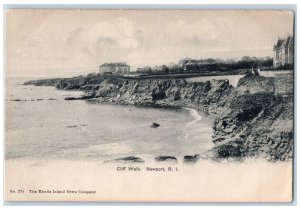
249 120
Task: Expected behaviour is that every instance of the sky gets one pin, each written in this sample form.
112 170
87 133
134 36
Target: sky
54 43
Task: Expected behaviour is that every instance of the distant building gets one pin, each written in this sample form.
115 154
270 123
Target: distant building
283 52
182 62
117 68
188 64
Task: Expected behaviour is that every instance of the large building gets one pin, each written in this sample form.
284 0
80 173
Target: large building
283 52
115 68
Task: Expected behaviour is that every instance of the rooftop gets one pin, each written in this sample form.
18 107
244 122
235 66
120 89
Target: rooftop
119 64
283 42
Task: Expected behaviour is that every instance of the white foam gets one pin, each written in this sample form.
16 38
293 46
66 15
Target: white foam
195 115
196 118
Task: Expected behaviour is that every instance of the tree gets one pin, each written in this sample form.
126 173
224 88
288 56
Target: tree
164 68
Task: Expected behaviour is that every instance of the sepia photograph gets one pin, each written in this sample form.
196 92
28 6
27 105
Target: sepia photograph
149 105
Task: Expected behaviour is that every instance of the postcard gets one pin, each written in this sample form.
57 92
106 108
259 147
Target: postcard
149 105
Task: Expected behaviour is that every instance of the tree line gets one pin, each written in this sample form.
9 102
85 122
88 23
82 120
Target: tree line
209 65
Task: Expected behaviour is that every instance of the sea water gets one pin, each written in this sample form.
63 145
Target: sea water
41 125
61 145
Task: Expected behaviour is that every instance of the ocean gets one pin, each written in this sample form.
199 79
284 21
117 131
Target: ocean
62 145
41 125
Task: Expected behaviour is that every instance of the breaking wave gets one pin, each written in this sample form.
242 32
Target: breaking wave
196 119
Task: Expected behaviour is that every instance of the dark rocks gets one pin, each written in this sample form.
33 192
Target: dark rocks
231 149
224 124
71 126
190 158
254 84
249 114
163 158
246 117
72 98
129 159
43 82
88 87
217 140
252 126
75 126
177 95
158 94
84 97
154 125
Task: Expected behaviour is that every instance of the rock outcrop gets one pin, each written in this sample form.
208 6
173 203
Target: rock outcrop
249 120
164 158
129 159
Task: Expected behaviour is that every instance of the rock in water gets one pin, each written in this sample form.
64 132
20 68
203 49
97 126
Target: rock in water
190 158
154 125
129 159
166 158
71 126
72 98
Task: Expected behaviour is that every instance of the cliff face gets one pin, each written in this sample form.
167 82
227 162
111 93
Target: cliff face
255 84
249 120
258 124
163 92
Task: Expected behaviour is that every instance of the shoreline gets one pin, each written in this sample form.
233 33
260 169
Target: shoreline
239 113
